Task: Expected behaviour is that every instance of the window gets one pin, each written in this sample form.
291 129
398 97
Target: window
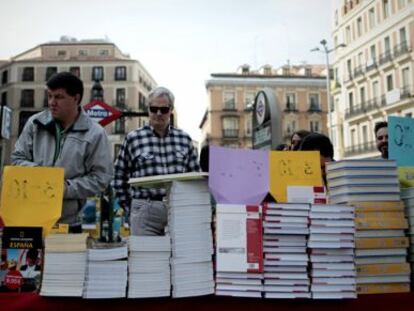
405 73
290 127
3 99
23 117
45 99
360 59
353 137
61 53
373 51
359 26
351 101
28 74
50 71
375 90
75 71
290 101
83 52
5 77
97 73
141 101
120 126
230 127
362 96
308 72
103 52
387 45
120 98
386 8
403 36
348 34
349 68
27 98
364 134
390 83
401 3
314 126
314 102
371 17
229 100
120 73
249 98
248 125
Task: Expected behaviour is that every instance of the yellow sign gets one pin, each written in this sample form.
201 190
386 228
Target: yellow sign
293 168
406 176
32 196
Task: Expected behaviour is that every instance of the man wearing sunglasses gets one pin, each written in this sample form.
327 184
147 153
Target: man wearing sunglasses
155 149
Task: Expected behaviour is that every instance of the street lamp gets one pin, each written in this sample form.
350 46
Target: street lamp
326 50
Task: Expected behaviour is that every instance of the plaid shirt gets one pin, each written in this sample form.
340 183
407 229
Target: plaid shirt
144 153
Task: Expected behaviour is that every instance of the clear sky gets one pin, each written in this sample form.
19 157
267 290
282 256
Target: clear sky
180 42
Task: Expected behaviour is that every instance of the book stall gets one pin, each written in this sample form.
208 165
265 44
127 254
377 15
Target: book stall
260 231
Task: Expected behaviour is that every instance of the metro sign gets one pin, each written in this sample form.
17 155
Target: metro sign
101 112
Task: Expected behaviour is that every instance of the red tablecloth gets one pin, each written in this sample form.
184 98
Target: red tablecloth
33 302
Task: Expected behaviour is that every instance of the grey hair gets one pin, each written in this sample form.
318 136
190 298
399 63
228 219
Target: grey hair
161 92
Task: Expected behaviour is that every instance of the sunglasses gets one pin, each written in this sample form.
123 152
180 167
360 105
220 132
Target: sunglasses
164 110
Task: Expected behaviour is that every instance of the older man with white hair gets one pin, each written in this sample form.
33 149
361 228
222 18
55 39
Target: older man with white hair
155 149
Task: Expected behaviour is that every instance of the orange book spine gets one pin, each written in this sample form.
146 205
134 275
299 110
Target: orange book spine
383 269
383 288
375 223
397 242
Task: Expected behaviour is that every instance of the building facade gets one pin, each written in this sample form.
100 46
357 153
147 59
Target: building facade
373 73
125 82
300 90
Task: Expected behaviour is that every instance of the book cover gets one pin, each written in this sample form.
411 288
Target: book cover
21 259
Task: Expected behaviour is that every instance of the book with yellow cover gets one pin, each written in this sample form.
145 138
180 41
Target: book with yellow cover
380 215
375 223
391 242
383 269
383 288
379 206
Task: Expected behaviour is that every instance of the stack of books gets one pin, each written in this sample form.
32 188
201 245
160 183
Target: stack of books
64 265
189 225
407 196
362 180
284 247
149 266
381 247
106 273
239 250
331 244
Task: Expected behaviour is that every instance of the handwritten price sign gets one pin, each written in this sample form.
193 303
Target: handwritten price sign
401 140
293 168
31 196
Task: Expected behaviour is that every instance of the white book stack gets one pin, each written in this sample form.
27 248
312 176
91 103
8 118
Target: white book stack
149 266
331 246
284 247
189 225
239 250
64 265
407 196
106 273
362 180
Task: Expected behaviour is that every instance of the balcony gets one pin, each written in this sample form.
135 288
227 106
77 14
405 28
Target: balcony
407 91
371 65
314 108
385 57
358 71
401 49
365 107
360 149
229 105
291 107
230 133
